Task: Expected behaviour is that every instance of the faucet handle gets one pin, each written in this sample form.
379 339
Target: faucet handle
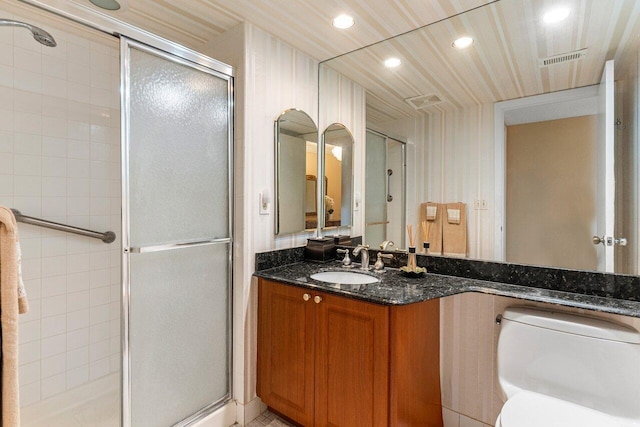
346 262
379 265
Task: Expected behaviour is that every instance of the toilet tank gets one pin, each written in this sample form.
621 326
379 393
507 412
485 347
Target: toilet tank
588 361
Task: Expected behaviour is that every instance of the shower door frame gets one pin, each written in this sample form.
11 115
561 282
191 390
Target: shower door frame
126 44
106 24
403 178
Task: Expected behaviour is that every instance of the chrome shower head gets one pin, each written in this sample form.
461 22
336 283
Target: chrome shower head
40 35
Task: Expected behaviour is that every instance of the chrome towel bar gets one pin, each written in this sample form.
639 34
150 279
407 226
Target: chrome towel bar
107 237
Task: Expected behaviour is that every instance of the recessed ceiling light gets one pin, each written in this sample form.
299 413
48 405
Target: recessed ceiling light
106 4
463 42
392 63
556 15
343 21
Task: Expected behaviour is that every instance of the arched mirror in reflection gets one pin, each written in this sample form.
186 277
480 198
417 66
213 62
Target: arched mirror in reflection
338 171
296 137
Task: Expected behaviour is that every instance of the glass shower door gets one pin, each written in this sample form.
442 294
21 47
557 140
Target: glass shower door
177 238
385 190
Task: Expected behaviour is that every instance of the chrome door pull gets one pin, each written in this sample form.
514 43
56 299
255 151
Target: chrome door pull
389 196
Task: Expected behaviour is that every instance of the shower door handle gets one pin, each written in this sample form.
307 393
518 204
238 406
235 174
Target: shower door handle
389 196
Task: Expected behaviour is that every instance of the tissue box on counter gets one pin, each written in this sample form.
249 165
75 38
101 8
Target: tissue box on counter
342 240
320 249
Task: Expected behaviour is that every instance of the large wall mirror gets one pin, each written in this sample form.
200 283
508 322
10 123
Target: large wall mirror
536 69
337 143
296 141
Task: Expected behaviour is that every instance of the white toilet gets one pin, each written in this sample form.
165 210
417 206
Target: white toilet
563 370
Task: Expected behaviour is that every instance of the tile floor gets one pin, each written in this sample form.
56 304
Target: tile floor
269 419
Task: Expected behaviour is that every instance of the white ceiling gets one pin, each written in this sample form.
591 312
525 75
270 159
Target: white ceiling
502 63
305 24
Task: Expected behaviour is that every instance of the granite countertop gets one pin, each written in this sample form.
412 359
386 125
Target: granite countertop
396 289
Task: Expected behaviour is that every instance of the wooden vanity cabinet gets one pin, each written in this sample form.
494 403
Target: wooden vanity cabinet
327 360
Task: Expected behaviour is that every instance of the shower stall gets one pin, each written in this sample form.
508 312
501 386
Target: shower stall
102 134
385 191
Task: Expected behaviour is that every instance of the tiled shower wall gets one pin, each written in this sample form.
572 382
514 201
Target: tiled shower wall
60 160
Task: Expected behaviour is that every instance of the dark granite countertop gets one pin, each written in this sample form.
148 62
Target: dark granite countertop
396 289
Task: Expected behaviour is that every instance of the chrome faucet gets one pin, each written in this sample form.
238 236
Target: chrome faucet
364 260
386 244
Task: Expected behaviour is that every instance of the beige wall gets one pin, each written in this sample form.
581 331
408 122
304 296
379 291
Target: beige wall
551 193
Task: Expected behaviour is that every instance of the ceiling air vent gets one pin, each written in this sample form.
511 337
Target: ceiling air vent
424 101
576 55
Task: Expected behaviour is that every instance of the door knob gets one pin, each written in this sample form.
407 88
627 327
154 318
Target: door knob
317 299
306 297
605 240
609 241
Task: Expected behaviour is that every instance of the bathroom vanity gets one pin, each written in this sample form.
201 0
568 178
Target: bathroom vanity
331 359
329 354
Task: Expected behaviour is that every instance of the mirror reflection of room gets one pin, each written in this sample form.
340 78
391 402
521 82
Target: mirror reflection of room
296 140
338 168
447 100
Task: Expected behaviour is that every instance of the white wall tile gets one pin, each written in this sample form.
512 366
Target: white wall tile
27 80
29 331
53 306
27 143
54 266
53 325
53 286
29 373
53 141
100 332
99 350
6 140
79 149
27 102
78 319
52 346
29 393
100 368
54 187
53 385
77 376
54 147
27 165
53 365
29 186
78 300
54 166
78 357
29 352
100 314
77 339
77 282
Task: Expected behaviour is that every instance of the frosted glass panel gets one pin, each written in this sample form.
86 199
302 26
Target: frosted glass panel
178 332
375 203
178 151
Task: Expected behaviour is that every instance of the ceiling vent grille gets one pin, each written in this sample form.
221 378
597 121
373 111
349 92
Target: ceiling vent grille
424 101
576 55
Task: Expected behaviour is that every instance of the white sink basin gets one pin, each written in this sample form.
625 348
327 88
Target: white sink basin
344 278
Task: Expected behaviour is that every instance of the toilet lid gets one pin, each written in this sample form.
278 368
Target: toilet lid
527 409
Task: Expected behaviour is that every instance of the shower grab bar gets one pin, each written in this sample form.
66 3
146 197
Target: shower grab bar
177 245
107 237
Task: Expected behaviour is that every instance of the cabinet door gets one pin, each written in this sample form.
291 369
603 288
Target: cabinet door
352 362
285 350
